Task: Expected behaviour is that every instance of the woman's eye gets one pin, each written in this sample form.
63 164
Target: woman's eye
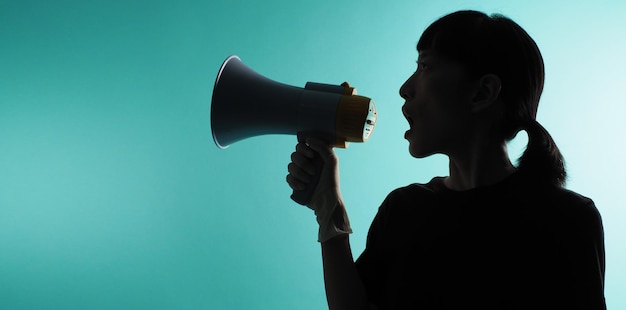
421 66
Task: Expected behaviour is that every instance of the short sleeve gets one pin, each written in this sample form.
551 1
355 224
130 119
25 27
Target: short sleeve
586 257
370 264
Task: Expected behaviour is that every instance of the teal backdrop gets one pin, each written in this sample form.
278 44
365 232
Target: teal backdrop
114 196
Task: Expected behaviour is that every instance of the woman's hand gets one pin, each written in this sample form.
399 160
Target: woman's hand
302 172
326 200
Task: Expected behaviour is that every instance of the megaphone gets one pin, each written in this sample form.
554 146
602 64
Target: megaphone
246 104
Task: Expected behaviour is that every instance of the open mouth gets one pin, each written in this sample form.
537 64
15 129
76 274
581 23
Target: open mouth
408 132
410 120
408 117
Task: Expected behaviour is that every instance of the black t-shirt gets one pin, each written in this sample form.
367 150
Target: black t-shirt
506 246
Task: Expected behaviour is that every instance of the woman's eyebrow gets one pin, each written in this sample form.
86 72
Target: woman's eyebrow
425 54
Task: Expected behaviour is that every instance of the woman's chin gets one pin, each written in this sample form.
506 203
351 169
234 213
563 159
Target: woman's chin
418 151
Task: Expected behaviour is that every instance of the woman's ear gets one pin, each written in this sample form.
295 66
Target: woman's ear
487 92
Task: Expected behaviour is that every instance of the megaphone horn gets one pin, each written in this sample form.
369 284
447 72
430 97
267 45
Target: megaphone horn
247 104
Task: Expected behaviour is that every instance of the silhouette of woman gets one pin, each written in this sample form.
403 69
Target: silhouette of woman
491 235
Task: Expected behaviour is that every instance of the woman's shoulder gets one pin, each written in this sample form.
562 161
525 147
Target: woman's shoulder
414 190
555 195
568 196
557 204
568 202
412 196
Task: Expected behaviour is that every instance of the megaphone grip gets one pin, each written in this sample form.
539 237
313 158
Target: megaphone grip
304 196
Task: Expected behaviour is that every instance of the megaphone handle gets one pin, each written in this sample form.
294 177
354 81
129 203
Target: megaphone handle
304 196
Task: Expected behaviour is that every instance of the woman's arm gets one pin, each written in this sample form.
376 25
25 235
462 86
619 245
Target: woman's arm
344 289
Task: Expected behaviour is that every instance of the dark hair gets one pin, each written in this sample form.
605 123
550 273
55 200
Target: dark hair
497 45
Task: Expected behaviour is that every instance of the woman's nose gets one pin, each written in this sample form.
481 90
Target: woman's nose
405 90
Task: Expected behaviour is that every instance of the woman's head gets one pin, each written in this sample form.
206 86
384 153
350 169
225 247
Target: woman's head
495 46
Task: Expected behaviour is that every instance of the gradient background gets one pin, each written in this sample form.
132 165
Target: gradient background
113 195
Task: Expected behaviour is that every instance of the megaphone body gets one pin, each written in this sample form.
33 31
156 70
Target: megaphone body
246 104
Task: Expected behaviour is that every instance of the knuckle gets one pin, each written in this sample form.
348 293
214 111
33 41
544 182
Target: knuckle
291 167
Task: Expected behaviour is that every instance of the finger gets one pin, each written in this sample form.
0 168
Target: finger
294 183
298 173
321 147
303 162
305 150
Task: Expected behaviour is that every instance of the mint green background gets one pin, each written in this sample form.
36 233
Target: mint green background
113 195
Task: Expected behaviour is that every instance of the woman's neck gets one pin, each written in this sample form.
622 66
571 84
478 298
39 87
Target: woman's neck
483 165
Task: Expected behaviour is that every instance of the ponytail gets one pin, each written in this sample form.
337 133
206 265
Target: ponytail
542 159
